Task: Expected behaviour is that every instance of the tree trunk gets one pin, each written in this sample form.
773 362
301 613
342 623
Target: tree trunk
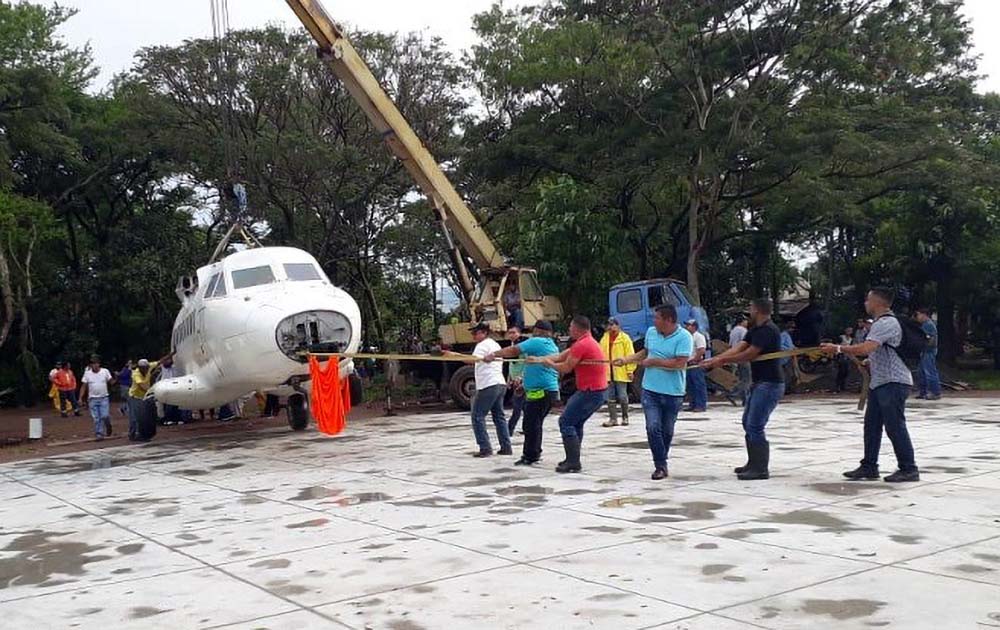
693 285
7 291
949 344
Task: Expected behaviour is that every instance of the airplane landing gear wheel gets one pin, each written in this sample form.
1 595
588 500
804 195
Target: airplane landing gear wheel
298 412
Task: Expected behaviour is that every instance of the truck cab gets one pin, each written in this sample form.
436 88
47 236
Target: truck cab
633 305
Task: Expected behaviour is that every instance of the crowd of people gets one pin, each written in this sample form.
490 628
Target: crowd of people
674 359
93 391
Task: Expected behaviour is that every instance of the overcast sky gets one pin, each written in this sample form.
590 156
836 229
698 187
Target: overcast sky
116 29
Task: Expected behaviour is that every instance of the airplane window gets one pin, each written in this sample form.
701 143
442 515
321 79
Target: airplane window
252 277
302 271
220 288
211 285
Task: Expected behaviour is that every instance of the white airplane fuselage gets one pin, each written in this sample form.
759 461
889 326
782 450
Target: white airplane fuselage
246 325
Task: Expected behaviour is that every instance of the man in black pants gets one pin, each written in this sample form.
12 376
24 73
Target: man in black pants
541 387
768 386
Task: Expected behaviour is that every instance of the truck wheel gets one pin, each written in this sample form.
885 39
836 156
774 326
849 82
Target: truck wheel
357 390
298 412
463 386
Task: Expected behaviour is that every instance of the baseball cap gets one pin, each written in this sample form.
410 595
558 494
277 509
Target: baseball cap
481 326
613 321
543 324
691 322
143 362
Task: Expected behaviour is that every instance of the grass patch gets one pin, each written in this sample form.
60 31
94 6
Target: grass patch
980 379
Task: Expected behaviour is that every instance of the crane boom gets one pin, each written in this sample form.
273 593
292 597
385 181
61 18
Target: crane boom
401 139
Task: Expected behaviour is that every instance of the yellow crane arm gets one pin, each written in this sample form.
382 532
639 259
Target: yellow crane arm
397 133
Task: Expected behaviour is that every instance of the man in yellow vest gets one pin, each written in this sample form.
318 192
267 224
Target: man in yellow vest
617 344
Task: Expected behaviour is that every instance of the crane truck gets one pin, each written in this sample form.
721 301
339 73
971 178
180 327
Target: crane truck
465 236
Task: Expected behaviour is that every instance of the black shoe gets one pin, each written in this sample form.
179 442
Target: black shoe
760 456
659 473
505 451
903 475
524 462
483 454
568 468
862 473
746 466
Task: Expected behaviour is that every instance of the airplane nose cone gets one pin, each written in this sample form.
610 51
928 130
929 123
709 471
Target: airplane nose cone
316 331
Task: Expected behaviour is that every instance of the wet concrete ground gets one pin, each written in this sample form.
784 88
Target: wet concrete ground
392 525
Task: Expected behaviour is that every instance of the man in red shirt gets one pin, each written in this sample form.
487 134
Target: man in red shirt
586 358
65 382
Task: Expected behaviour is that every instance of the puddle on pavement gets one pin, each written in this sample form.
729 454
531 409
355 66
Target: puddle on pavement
842 609
973 569
609 597
317 522
404 624
950 470
358 499
822 521
688 511
444 502
604 529
228 466
706 546
273 563
522 490
144 612
316 492
906 540
620 502
843 489
39 558
988 557
740 534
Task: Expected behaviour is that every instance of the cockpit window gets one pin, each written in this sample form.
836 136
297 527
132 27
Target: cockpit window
219 288
302 271
211 285
252 277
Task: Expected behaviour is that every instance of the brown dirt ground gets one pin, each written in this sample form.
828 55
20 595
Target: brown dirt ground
74 434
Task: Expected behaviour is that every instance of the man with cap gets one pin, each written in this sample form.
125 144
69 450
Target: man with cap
96 394
586 359
142 380
541 386
615 343
696 385
490 388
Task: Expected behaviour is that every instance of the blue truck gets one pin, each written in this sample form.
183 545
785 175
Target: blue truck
633 305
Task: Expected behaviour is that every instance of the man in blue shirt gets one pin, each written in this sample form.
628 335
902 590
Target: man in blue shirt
664 359
929 380
541 387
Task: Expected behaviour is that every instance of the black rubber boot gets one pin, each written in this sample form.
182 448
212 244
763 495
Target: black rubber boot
624 414
572 463
745 466
760 456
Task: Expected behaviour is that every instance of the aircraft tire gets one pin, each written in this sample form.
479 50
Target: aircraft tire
357 389
298 412
463 386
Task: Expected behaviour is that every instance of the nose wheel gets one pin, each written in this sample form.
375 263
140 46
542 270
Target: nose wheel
298 412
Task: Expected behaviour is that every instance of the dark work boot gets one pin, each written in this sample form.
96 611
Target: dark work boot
760 456
612 415
862 472
745 466
572 463
624 414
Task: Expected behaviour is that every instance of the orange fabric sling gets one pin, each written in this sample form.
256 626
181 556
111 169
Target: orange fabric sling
328 402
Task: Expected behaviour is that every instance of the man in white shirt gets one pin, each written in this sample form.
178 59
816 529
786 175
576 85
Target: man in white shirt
95 393
490 388
696 385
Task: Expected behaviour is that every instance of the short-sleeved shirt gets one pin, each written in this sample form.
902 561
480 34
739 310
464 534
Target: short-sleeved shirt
591 377
659 346
140 382
698 342
736 335
488 374
125 377
786 344
930 329
537 376
884 362
97 382
766 338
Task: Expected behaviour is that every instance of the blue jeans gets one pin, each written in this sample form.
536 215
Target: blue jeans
661 413
578 410
100 410
698 388
490 400
887 407
517 408
928 379
617 392
762 400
